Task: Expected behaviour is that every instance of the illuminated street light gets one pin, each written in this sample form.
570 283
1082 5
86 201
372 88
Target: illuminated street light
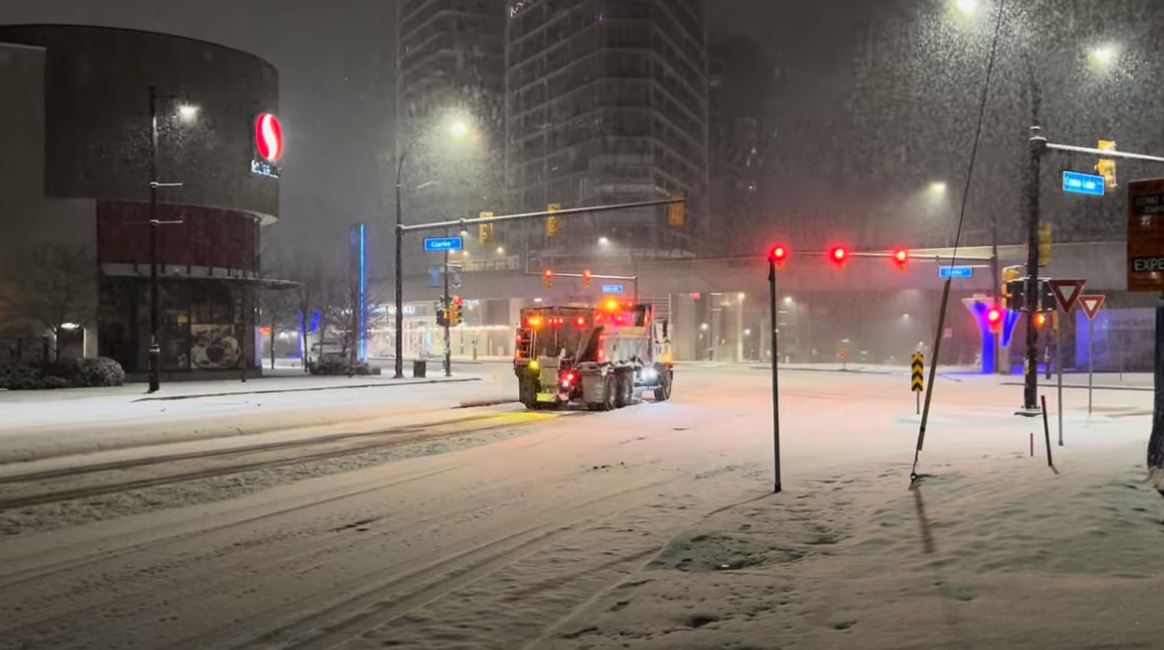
703 326
459 128
1105 54
938 187
500 250
748 332
966 7
741 295
603 241
188 112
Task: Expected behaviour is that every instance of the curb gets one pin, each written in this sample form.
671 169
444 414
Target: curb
382 384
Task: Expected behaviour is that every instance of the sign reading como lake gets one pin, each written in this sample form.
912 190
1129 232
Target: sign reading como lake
268 145
1146 235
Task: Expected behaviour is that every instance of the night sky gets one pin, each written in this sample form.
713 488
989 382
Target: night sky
860 127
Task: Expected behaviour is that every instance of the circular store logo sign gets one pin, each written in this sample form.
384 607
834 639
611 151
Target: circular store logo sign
269 137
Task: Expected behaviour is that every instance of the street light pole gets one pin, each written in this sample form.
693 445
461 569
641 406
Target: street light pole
155 351
448 306
1037 144
399 367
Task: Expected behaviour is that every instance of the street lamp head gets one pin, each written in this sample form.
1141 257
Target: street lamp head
603 241
966 7
459 128
938 187
1104 54
500 250
188 112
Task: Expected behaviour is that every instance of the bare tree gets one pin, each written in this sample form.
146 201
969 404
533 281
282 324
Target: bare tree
57 288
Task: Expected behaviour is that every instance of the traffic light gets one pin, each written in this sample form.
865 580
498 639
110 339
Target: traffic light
677 212
778 254
1016 294
548 279
1045 249
839 255
553 224
994 319
442 316
901 257
586 279
1106 167
485 231
455 314
1040 320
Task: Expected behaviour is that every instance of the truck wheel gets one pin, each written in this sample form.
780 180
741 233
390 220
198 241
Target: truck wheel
609 388
626 390
527 393
663 392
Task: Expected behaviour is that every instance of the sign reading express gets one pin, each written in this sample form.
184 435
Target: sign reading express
1146 235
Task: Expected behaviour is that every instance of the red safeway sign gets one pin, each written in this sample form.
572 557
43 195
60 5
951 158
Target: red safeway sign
1091 304
1067 292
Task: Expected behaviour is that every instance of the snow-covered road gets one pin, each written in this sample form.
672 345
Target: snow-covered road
646 527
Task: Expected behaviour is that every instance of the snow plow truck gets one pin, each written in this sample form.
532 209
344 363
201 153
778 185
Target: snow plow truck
603 357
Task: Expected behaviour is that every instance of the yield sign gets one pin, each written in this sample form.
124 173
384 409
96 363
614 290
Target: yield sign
1091 304
1067 292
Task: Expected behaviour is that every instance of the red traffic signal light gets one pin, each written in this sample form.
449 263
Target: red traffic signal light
838 254
901 257
994 319
1040 320
586 279
548 277
778 254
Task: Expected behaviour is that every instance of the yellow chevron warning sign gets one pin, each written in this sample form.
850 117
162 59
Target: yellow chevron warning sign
917 379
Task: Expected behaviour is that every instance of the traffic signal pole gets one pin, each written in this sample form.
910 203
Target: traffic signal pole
448 309
775 334
401 230
1037 144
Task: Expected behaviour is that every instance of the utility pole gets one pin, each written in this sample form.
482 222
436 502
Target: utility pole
1038 145
775 333
399 365
447 306
155 351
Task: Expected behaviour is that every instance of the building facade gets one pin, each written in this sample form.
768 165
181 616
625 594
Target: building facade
607 103
75 182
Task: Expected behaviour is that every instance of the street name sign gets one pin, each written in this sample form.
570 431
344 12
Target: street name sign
443 244
613 288
955 272
1079 183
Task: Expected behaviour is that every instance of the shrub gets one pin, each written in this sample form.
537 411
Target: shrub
52 381
20 377
336 365
101 371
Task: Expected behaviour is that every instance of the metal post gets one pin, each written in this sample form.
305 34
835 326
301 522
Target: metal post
1038 144
399 367
1059 371
448 305
1090 359
775 374
155 350
739 329
1156 439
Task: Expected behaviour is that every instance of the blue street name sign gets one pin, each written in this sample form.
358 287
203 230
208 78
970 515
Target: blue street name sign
1088 184
443 244
612 288
955 272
